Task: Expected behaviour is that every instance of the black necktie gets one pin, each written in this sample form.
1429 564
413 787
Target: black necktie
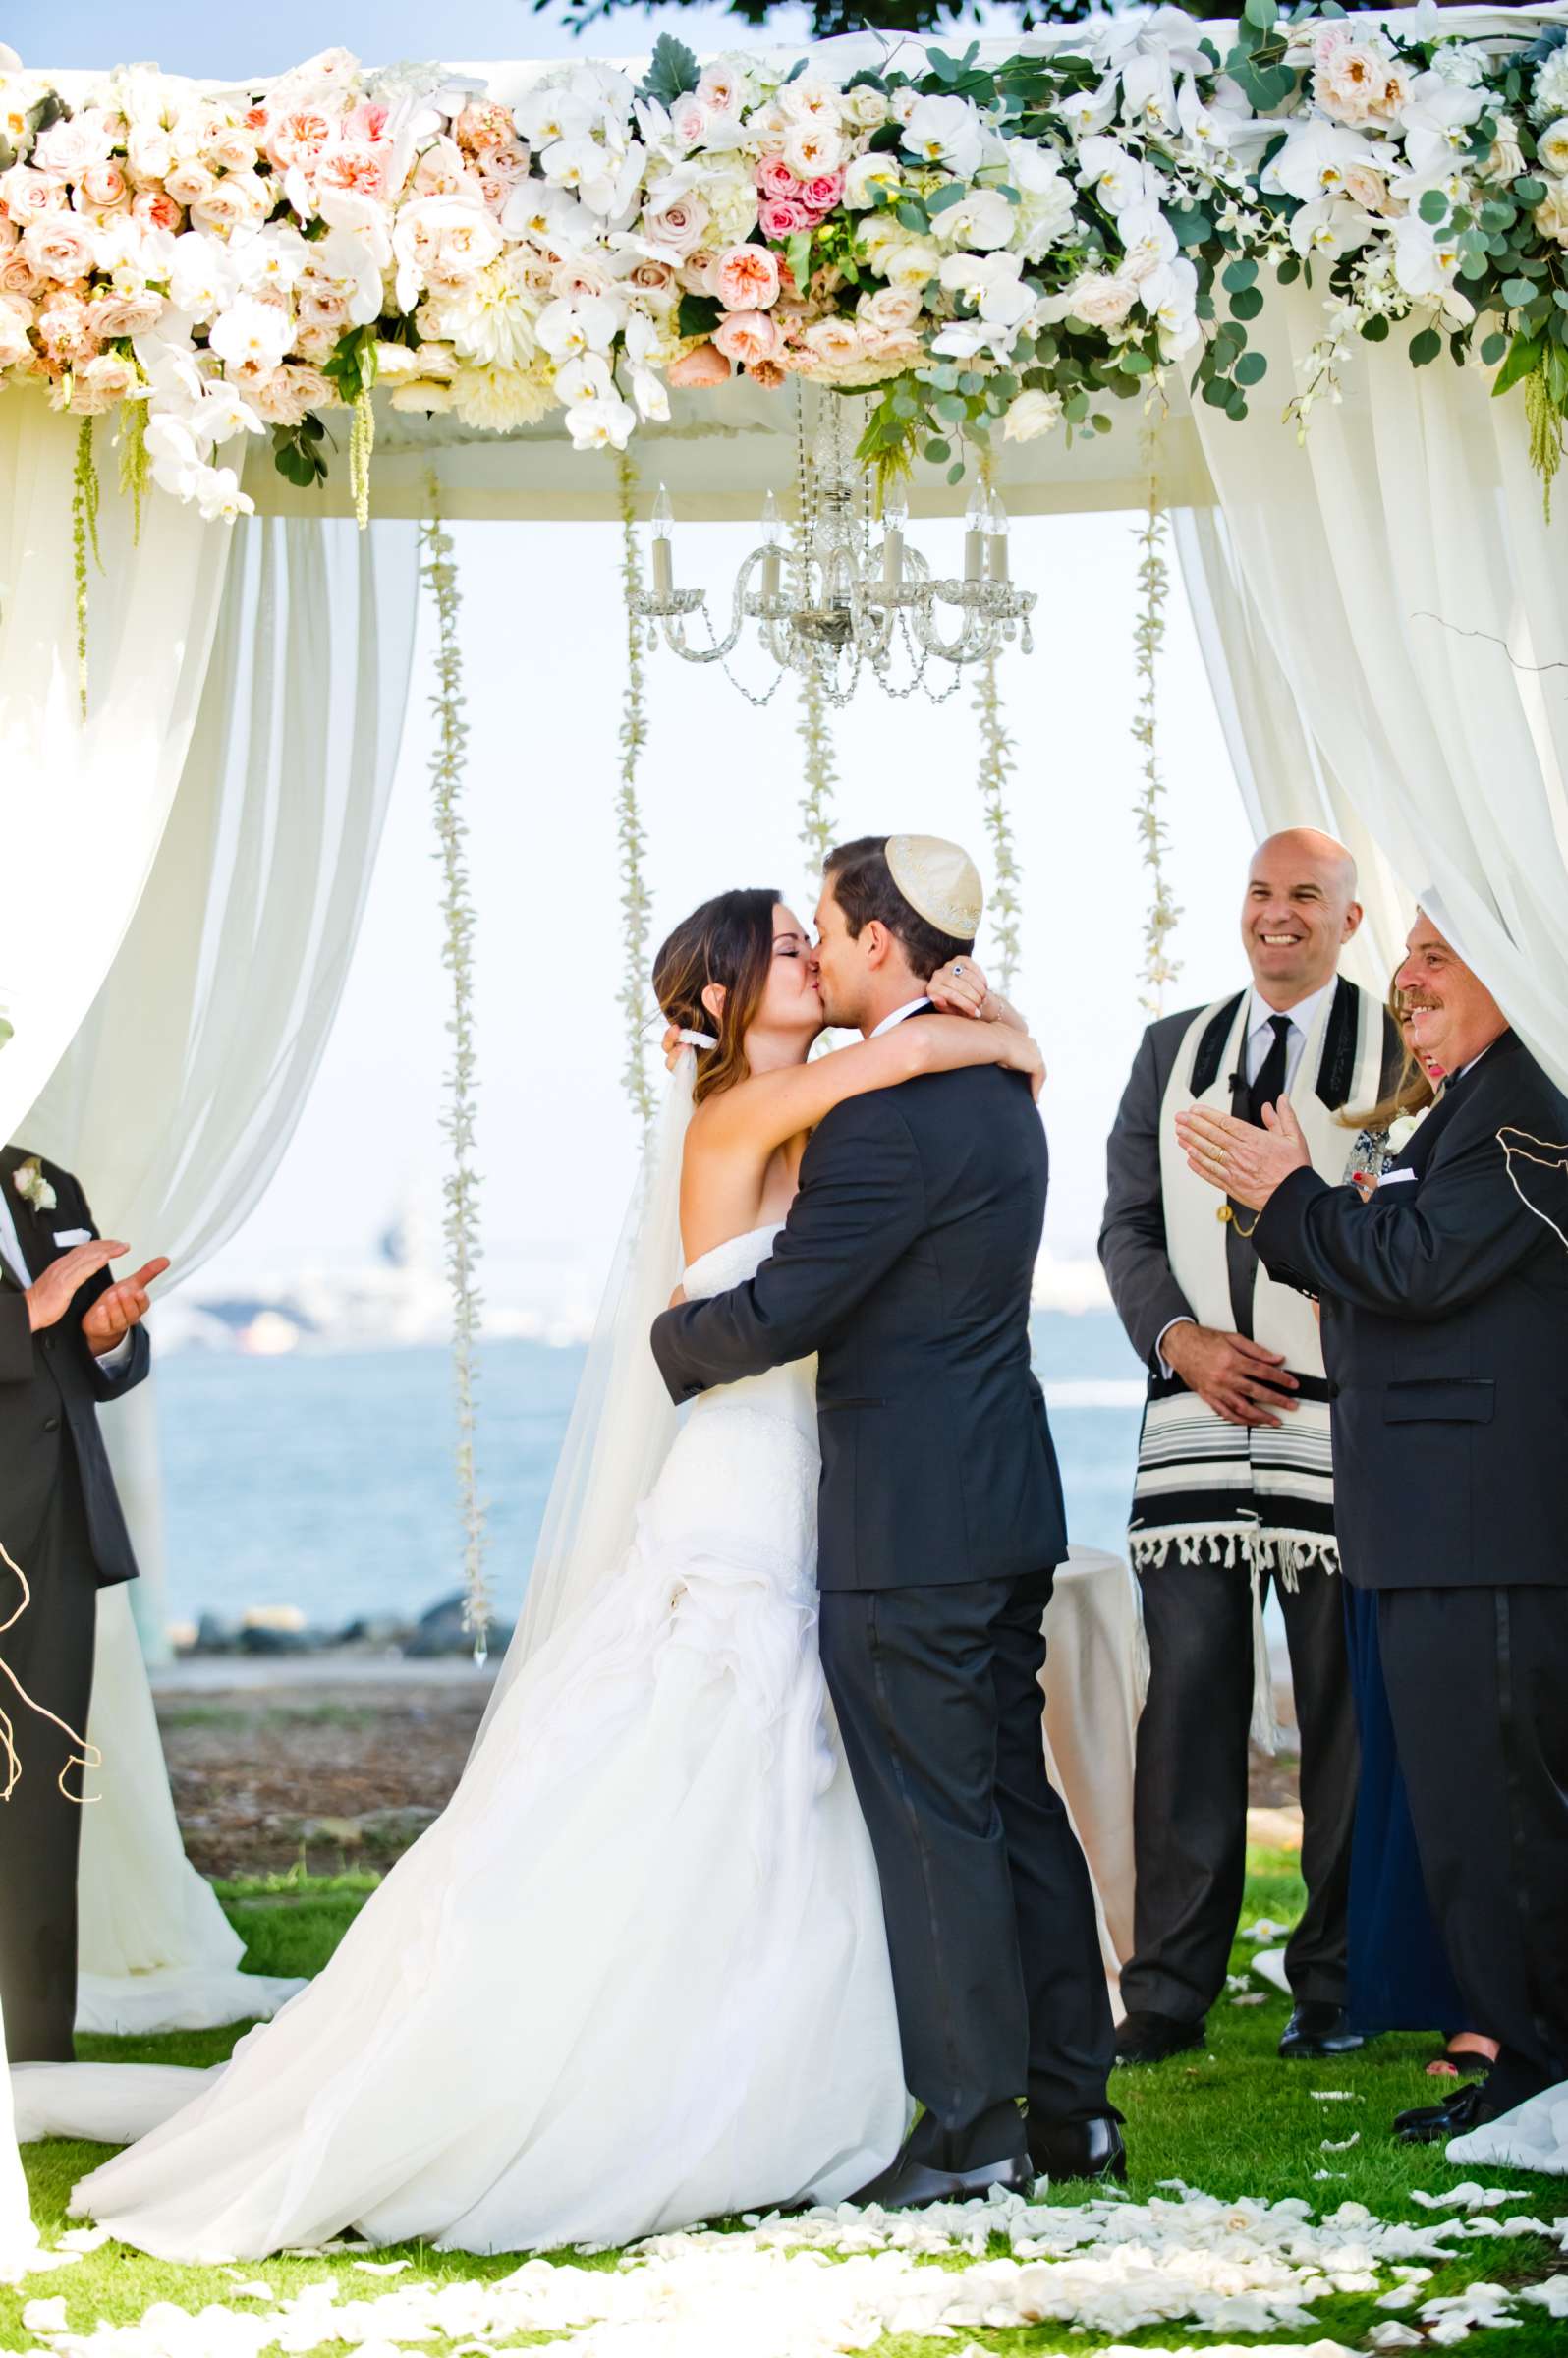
1269 1085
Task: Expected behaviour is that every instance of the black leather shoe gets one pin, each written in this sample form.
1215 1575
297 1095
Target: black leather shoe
1317 2029
907 2185
1078 2149
1428 2124
1151 2037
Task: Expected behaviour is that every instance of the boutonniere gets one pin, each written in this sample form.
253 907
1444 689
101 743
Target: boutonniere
1403 1129
33 1187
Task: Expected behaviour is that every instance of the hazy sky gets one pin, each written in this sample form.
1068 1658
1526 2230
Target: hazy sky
544 641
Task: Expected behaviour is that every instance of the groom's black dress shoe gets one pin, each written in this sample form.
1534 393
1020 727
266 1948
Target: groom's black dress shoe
907 2185
1469 2110
1078 2149
1317 2029
1151 2037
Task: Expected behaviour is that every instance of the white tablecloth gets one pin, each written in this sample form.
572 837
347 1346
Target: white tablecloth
1094 1680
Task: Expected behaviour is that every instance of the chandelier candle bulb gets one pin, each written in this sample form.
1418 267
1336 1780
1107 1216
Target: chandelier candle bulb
895 515
772 558
975 522
663 554
996 543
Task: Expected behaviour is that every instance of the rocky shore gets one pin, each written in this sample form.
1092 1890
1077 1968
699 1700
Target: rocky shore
340 1759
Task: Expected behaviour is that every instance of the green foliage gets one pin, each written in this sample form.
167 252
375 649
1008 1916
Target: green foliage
297 452
672 71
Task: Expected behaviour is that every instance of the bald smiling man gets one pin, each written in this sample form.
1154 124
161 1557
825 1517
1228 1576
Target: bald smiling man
1235 1476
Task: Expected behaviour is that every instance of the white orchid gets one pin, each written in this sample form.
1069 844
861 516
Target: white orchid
1329 227
553 111
274 257
945 132
1425 263
1436 122
983 219
1147 238
1169 296
1116 178
568 330
1316 157
204 274
603 424
250 334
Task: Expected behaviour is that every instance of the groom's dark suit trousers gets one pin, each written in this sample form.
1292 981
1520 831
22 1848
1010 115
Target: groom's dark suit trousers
990 1913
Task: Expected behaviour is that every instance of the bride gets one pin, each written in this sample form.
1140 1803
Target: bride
636 1974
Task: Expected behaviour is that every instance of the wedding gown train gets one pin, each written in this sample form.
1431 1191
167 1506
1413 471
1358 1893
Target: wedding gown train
635 1975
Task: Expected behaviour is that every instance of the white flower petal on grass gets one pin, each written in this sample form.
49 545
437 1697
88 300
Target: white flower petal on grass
1339 2145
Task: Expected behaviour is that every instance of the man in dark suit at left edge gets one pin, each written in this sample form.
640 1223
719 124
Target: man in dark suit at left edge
70 1336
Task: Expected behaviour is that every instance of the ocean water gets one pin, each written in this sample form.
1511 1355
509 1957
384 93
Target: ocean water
328 1483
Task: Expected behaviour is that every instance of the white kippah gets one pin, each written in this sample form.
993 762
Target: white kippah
941 882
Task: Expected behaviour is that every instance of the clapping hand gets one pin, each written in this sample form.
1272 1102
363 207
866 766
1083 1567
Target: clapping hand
1243 1163
120 1308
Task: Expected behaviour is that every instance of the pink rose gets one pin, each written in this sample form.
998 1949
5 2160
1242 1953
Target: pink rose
780 217
101 184
775 178
363 168
368 119
60 247
747 337
190 180
116 314
746 278
824 192
693 272
703 366
154 208
653 278
300 138
27 196
505 164
17 276
689 119
677 226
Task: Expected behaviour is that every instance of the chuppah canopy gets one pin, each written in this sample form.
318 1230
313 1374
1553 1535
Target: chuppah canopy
1107 305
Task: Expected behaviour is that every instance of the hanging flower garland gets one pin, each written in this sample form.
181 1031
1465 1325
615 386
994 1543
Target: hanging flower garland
816 733
631 840
83 536
996 766
1149 637
461 1184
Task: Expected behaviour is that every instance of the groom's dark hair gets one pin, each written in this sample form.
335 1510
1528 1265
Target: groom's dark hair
863 885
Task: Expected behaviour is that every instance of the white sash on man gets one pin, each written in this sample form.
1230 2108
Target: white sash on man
1258 1495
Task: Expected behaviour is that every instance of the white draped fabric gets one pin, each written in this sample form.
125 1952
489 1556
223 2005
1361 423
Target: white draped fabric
181 1091
1094 1680
1398 568
84 801
19 2238
1280 768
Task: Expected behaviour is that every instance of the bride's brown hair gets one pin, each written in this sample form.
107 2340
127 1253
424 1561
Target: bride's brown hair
728 940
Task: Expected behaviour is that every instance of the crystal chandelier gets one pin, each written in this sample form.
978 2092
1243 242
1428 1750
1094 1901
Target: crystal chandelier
849 594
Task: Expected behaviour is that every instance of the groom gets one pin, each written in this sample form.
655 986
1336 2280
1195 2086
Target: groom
906 1263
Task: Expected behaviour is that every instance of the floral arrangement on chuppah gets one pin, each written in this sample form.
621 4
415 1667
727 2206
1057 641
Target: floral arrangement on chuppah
1007 246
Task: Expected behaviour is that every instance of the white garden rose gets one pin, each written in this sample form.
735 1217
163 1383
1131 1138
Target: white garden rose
60 246
889 311
1551 146
868 178
1030 413
913 264
16 318
1551 216
813 150
1099 299
70 145
441 241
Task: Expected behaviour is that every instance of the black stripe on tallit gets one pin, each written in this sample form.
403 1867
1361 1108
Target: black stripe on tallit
1211 1048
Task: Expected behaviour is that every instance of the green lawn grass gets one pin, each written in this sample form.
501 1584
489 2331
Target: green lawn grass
1234 2121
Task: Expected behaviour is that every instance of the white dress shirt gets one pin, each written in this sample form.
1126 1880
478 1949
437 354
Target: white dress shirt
913 1007
1260 1040
1261 1037
11 1252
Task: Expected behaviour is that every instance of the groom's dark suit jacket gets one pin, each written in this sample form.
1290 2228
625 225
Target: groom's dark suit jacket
50 1386
906 1263
1445 1320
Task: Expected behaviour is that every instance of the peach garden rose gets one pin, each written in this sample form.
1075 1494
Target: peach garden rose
746 278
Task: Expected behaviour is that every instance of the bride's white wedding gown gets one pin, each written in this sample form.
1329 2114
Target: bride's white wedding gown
636 1974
